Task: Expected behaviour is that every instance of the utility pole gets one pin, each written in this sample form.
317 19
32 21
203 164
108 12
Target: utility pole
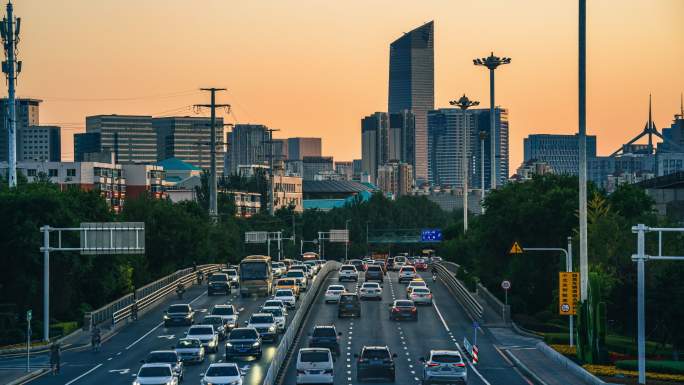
271 177
9 31
464 103
483 136
582 88
213 199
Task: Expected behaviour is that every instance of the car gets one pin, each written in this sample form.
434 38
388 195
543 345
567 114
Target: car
243 342
288 283
206 334
218 283
325 336
332 294
436 259
287 296
168 357
315 266
420 264
155 374
358 264
233 276
265 324
382 263
348 273
229 314
399 261
407 274
370 290
315 366
300 278
403 309
221 326
279 269
421 295
348 305
444 366
414 284
179 314
222 373
308 271
190 350
390 264
374 273
275 303
278 314
375 362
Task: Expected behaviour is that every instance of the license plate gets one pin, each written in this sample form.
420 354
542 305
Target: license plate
445 369
242 350
315 371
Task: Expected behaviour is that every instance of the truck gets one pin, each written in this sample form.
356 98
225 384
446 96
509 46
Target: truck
256 276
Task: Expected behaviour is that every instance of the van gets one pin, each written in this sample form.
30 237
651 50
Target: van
315 366
375 273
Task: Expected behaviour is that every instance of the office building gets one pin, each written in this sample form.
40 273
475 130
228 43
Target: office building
39 143
144 180
280 150
247 145
86 143
375 143
188 139
298 148
312 165
27 114
287 192
412 86
246 203
395 179
346 169
402 130
357 166
131 138
561 152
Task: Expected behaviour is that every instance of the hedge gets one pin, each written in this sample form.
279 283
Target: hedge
672 367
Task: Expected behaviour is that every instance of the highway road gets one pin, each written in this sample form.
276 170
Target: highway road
441 326
119 358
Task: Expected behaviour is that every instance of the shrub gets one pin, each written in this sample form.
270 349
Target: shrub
672 367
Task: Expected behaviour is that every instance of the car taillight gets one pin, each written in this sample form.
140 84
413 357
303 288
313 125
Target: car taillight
362 360
460 365
432 365
395 310
413 310
430 295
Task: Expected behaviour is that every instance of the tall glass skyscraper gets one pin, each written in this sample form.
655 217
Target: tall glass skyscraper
412 86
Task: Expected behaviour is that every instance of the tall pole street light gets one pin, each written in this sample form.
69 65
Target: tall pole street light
582 88
492 62
483 136
464 103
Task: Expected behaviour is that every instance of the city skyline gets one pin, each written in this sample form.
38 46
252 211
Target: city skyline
352 70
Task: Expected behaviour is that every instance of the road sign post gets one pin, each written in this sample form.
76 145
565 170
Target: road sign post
506 285
29 315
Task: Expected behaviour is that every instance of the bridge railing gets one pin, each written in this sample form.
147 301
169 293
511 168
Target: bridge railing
445 271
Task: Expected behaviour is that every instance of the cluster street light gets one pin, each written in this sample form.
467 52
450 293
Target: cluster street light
464 103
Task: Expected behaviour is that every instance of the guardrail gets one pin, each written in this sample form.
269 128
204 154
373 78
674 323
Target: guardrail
459 290
503 310
286 342
146 296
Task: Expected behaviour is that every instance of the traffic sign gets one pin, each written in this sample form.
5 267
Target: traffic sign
568 292
506 285
516 249
29 315
256 236
431 235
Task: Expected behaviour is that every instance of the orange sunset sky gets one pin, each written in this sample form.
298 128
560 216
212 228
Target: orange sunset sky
316 67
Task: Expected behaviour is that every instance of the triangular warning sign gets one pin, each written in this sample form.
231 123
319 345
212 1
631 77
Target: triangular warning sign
516 249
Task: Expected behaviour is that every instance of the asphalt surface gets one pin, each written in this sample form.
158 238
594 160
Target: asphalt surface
441 326
120 356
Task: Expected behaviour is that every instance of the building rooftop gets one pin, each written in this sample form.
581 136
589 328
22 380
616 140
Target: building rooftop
177 164
334 186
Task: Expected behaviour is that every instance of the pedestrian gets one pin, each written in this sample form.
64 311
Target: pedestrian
55 353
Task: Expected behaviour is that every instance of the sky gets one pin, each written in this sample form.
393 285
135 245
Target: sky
315 68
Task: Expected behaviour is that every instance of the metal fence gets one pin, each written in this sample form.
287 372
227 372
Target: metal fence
459 290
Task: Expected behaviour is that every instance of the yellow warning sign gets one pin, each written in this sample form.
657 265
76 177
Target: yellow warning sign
568 292
516 249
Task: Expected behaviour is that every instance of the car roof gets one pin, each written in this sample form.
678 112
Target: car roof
162 351
200 326
375 347
260 314
403 301
224 305
156 365
324 327
314 350
446 352
225 364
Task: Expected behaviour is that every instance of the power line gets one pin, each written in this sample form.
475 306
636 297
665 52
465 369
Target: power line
122 99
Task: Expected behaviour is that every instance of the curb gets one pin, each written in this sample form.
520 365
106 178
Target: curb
529 373
569 364
524 332
28 377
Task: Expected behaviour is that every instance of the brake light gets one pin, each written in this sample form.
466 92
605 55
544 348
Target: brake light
362 360
460 365
413 310
432 365
430 295
395 310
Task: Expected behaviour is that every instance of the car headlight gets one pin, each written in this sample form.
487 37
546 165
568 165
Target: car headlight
166 317
188 316
236 382
136 383
271 328
255 344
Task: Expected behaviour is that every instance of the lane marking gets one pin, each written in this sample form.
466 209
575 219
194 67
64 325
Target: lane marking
471 366
83 375
441 317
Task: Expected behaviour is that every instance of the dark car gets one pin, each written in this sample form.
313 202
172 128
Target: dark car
375 362
220 325
358 264
179 314
375 273
170 357
390 264
403 309
349 305
325 337
243 342
219 283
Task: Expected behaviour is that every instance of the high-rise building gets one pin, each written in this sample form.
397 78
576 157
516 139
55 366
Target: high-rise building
312 165
395 178
247 145
561 152
27 114
412 86
445 145
357 165
131 138
402 129
86 143
280 149
39 143
375 143
188 139
298 148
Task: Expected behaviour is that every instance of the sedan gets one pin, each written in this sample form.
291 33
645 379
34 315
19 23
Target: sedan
375 362
420 264
167 357
444 366
371 290
414 284
220 325
190 350
333 293
156 374
403 309
222 373
421 295
287 296
278 316
206 334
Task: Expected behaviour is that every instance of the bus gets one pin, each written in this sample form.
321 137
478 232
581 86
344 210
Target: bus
309 256
256 276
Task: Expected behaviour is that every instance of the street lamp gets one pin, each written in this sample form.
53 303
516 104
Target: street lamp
483 137
464 103
346 244
492 62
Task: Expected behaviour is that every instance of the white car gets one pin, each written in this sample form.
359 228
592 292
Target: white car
222 373
206 334
315 366
229 314
279 267
333 293
300 276
233 277
190 350
287 296
275 303
155 374
421 295
414 285
370 290
265 324
348 273
314 266
278 314
407 273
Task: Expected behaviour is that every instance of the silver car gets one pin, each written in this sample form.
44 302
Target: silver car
190 350
444 366
421 295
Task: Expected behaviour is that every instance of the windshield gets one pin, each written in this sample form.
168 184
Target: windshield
447 358
275 312
218 278
184 344
418 284
200 331
154 371
381 354
403 304
161 357
223 310
179 309
295 274
261 319
421 290
254 270
286 282
336 287
348 298
284 293
273 303
370 285
352 268
222 371
324 332
315 356
243 334
212 321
